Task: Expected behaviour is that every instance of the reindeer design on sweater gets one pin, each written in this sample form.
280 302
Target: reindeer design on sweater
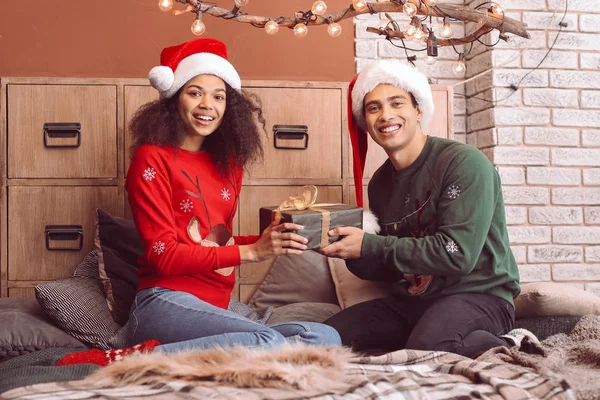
218 235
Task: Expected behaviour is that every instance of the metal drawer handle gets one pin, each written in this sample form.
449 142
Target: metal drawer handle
290 132
62 134
57 235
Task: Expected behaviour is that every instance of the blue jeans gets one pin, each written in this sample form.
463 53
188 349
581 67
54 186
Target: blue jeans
181 321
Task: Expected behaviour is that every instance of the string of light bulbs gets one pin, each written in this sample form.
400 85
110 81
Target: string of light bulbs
489 16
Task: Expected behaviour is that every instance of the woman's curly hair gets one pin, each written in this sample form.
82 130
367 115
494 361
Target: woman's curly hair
237 139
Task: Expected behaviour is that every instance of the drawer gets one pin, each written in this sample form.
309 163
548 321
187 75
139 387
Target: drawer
21 292
135 97
321 111
254 197
31 209
375 157
351 198
36 152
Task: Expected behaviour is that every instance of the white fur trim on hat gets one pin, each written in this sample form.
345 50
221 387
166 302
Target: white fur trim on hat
370 223
161 78
396 73
197 64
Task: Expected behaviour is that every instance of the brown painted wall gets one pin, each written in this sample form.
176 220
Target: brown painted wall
123 38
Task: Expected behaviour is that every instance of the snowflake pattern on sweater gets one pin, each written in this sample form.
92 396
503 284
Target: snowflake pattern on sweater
225 194
159 247
453 191
149 174
186 205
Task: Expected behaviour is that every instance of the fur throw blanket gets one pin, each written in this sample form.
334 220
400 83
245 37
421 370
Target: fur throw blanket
294 366
574 357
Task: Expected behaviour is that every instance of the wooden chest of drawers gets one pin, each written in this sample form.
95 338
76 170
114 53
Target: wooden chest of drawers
66 147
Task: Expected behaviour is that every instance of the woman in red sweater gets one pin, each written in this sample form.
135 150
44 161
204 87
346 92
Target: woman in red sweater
189 153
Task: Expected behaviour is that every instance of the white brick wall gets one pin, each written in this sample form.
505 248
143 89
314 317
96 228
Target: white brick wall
559 113
551 136
553 176
512 175
550 97
592 254
544 138
554 254
592 215
555 215
589 61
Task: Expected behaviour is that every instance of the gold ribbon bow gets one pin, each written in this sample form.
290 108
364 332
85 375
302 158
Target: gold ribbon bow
308 201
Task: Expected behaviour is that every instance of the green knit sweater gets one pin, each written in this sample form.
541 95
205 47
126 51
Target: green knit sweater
442 216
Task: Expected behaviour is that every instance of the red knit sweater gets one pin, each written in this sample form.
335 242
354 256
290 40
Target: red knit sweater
183 209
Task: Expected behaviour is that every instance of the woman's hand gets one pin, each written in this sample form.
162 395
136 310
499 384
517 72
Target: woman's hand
275 241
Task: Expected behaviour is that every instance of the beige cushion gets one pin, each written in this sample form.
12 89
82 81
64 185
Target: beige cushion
540 299
308 312
350 289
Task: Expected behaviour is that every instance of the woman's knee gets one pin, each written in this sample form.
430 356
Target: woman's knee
270 338
321 334
309 332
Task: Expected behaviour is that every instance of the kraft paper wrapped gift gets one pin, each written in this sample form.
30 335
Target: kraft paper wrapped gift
316 218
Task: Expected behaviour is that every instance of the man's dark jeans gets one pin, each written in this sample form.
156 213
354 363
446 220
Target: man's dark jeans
466 324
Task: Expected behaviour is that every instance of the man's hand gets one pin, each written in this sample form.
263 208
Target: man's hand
348 247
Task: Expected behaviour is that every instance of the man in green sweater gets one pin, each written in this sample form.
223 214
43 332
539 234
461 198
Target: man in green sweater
443 242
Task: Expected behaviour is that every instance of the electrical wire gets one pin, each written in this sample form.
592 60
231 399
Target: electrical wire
516 86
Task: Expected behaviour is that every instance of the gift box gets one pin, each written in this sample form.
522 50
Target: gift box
317 221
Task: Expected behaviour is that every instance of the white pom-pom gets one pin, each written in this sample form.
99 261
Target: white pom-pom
370 224
161 78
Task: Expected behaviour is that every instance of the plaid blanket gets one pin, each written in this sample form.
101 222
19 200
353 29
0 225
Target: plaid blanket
403 374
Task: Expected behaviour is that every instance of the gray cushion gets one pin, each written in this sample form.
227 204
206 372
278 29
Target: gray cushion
24 328
296 279
119 247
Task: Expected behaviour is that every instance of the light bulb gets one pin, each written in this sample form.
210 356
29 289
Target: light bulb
409 31
165 5
410 9
319 7
446 31
419 35
459 68
498 10
430 60
271 27
198 27
300 30
334 29
359 5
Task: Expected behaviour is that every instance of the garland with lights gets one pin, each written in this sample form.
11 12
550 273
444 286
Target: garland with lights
488 16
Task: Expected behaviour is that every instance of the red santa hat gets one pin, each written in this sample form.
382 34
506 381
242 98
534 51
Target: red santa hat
180 63
393 72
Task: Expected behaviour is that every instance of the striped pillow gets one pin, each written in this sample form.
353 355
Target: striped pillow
78 305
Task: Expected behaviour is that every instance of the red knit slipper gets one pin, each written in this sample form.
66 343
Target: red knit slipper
103 358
